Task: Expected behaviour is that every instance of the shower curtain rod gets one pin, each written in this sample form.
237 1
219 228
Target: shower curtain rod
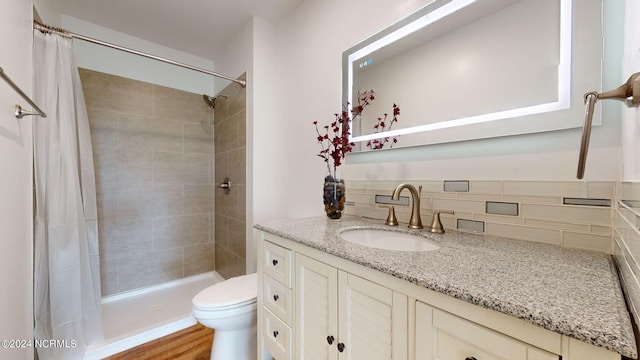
44 27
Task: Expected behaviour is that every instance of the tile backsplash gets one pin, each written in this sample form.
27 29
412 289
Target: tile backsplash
524 210
626 235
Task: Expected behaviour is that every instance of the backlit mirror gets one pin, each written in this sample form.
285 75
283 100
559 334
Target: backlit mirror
465 69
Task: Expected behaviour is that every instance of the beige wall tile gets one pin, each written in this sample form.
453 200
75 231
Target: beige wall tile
199 259
486 187
600 230
441 195
227 264
503 219
372 213
533 199
601 189
242 128
220 167
134 167
115 93
236 242
107 204
547 224
106 170
629 190
524 233
573 214
103 126
587 241
167 168
155 268
147 134
125 238
195 168
168 200
198 199
227 134
236 165
180 231
198 138
545 188
429 186
108 276
479 197
236 102
178 105
459 205
368 199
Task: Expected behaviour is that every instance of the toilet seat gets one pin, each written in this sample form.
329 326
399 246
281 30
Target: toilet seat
232 293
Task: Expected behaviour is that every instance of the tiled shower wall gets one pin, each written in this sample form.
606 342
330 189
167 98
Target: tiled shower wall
524 210
230 162
153 152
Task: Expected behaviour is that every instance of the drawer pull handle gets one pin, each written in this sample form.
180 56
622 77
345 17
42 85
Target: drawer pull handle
470 358
276 297
330 339
340 347
275 333
275 262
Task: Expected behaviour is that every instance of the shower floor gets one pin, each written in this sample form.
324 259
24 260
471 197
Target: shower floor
140 316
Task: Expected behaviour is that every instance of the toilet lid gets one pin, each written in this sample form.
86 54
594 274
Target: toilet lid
234 291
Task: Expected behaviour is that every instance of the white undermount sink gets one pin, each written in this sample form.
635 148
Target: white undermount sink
388 240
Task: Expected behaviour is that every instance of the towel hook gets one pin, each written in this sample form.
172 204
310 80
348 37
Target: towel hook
628 92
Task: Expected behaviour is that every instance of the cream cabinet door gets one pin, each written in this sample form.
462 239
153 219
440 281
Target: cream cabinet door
342 316
444 336
372 320
316 315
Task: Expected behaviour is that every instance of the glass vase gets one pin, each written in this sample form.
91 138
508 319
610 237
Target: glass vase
334 197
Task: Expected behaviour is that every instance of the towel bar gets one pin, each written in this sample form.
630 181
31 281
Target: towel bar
20 113
628 92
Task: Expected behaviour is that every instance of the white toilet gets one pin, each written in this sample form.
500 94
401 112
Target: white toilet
229 307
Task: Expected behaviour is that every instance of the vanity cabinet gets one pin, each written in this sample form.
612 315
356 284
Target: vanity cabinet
314 305
343 316
441 335
275 302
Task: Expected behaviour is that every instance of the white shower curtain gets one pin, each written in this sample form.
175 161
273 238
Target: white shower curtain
67 277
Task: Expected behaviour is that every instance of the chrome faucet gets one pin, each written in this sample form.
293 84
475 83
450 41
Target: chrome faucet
415 222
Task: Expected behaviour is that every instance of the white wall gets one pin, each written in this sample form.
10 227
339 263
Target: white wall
15 187
631 117
309 46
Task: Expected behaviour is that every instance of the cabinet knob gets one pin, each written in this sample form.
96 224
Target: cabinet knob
340 347
330 339
275 333
276 297
274 262
470 358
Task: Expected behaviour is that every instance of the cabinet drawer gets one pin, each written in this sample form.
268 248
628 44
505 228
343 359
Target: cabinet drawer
277 298
277 336
277 263
456 338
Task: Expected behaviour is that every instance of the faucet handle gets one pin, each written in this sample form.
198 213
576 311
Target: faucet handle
391 218
436 224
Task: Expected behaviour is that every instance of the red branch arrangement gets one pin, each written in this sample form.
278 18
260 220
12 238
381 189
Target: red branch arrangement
334 141
381 126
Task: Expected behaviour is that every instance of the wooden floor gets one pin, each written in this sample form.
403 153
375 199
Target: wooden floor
192 343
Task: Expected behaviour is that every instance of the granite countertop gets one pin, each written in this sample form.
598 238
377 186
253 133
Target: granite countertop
572 292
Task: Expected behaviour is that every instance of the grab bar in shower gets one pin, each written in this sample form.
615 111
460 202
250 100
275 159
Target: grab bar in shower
628 92
20 113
